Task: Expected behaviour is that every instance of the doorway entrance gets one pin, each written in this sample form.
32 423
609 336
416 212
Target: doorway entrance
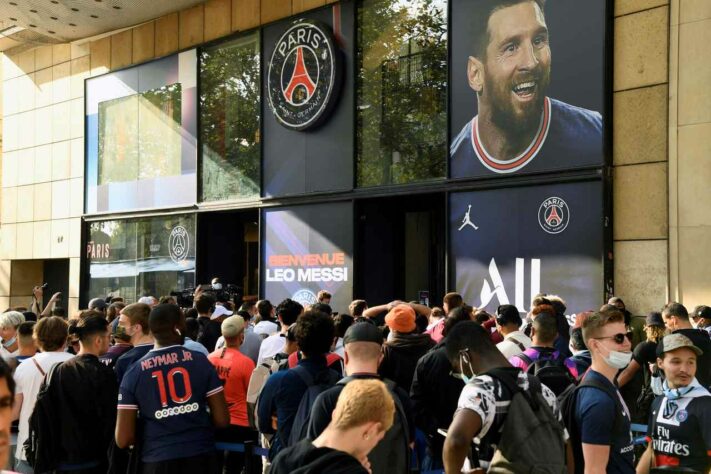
400 249
228 248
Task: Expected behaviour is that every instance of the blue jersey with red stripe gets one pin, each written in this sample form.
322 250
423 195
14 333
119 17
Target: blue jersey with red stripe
567 137
169 387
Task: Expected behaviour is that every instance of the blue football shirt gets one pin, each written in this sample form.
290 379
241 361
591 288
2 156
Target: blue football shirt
169 387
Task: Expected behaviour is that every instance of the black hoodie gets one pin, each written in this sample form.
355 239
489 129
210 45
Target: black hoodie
305 458
400 356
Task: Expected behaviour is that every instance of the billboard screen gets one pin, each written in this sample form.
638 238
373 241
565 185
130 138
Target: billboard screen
528 87
307 249
507 245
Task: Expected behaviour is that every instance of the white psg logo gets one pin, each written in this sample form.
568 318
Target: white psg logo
304 297
179 244
554 215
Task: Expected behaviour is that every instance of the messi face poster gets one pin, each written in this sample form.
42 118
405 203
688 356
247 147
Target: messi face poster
528 86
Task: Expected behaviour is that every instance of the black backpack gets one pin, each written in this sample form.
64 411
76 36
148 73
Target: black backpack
568 402
39 451
315 386
550 369
392 454
531 438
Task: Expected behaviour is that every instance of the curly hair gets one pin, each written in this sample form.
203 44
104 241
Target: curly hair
314 333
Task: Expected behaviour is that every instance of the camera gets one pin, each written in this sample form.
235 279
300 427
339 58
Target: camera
223 293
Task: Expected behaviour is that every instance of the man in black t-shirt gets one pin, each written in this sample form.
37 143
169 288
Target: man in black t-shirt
676 317
363 351
680 423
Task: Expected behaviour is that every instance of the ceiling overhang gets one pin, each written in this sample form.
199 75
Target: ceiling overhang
32 23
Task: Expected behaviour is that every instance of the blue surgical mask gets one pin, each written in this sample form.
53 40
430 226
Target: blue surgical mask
9 343
464 376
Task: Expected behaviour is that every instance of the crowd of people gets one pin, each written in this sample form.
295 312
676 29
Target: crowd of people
151 387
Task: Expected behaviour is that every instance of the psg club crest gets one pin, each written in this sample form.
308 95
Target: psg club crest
179 244
553 215
304 297
303 75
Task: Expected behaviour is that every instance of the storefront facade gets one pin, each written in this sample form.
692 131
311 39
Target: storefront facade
355 147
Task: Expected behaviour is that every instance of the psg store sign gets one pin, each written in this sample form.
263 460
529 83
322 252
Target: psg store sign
448 145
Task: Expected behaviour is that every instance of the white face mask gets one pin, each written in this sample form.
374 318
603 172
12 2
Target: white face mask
618 360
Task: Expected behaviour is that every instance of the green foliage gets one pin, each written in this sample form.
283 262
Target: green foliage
402 83
229 120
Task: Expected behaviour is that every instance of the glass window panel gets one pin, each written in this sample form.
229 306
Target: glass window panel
165 254
118 140
159 118
230 119
141 136
402 91
131 258
111 258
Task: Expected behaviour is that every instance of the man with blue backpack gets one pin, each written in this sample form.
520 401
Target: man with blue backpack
288 395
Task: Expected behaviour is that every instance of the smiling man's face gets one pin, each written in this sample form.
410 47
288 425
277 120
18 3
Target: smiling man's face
517 66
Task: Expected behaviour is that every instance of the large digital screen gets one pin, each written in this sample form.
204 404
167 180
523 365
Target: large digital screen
507 245
528 86
306 249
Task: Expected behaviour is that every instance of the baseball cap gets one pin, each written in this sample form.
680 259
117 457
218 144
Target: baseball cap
702 312
98 303
654 319
507 314
673 342
401 319
232 326
363 332
220 311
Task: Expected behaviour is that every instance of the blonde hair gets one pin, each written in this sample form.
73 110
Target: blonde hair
363 401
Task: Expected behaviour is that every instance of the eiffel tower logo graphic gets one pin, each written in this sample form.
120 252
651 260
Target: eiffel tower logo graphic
300 77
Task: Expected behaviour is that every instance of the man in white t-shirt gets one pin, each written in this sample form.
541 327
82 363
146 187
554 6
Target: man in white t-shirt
287 312
508 322
266 325
51 336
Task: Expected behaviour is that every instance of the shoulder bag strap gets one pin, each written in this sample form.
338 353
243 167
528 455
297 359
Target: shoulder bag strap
519 344
38 367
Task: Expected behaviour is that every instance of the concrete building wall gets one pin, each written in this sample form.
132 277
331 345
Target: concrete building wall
690 152
640 176
661 149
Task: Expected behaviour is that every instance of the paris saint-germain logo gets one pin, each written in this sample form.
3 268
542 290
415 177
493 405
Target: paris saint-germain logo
554 215
303 75
179 244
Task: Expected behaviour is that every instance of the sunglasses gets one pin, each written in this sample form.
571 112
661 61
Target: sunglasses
618 338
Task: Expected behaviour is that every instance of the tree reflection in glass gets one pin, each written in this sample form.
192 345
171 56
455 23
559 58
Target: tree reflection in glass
230 119
402 91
